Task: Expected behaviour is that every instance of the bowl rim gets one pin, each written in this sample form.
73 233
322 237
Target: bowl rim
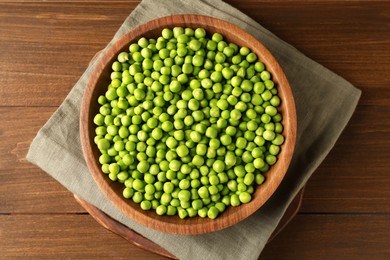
152 220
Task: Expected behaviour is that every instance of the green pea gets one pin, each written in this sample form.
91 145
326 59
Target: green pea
265 75
198 160
275 101
246 85
270 110
182 150
278 140
203 212
161 210
259 178
184 195
220 57
235 114
244 51
146 205
167 33
241 105
165 199
171 211
212 212
199 33
128 193
259 163
182 213
249 179
245 197
197 204
271 159
103 144
211 132
274 149
269 84
219 166
216 76
269 135
137 197
197 60
203 192
234 200
251 57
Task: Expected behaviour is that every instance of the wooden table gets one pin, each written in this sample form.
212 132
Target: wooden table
45 46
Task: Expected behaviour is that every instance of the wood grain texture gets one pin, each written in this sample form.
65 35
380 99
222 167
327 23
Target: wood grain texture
63 237
355 175
332 237
80 237
343 36
24 188
142 242
46 45
113 190
121 230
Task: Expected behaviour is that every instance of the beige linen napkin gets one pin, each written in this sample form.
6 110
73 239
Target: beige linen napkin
324 101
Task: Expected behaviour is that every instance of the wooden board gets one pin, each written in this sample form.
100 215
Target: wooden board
78 236
46 45
25 188
348 37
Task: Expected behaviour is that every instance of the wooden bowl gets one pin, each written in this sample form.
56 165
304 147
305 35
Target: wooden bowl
97 86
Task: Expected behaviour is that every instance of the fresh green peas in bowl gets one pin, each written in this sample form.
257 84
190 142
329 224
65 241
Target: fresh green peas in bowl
188 124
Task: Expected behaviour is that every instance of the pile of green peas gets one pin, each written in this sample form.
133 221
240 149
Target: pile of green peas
188 124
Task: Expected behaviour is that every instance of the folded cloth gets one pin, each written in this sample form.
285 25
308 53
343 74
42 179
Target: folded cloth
324 102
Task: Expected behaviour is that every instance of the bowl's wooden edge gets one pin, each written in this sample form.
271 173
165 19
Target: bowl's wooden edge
204 226
140 241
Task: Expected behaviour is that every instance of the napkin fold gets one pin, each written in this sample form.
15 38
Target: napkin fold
324 101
